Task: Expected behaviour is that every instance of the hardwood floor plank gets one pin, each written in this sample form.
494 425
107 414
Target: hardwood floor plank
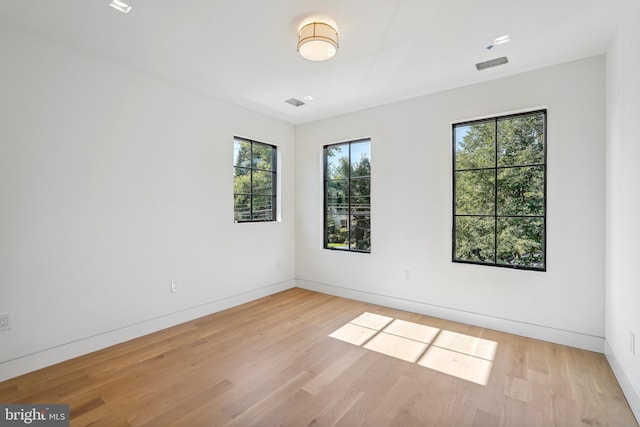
202 409
335 409
271 362
333 371
485 419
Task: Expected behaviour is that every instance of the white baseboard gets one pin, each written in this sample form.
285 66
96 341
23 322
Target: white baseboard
31 362
632 397
545 333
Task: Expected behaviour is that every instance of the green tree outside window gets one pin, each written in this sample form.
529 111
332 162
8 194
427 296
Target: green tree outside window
347 195
254 181
499 188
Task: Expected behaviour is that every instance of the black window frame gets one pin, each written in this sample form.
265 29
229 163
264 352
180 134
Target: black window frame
251 194
349 179
496 168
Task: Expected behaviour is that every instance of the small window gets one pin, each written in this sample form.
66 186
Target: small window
347 196
254 181
499 191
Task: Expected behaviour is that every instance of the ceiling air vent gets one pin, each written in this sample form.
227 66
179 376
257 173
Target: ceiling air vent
491 63
294 102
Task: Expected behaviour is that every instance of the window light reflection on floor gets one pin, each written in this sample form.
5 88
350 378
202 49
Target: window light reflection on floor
459 355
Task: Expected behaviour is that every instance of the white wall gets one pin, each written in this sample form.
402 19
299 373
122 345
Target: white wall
623 204
411 209
113 183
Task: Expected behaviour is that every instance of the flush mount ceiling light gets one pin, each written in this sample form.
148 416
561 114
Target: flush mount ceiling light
317 41
120 5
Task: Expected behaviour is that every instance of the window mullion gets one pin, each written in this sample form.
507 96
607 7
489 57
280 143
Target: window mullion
349 200
251 181
495 195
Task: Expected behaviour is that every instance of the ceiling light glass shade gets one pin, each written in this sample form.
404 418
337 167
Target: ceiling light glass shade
317 41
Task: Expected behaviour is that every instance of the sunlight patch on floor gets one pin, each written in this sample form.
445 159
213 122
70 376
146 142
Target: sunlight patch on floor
354 334
452 353
399 347
372 321
459 365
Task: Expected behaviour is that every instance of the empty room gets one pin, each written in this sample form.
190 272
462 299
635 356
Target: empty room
319 213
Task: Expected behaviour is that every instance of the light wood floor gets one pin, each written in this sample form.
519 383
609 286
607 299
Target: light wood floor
271 362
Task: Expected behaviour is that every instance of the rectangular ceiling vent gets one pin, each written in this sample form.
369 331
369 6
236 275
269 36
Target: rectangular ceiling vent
491 63
294 102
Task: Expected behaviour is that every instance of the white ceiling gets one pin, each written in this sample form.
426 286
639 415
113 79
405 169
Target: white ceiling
244 51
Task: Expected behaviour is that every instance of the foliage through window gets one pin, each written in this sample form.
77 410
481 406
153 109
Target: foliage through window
499 191
347 196
254 181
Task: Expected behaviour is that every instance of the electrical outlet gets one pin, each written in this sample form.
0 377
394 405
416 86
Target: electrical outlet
175 287
632 342
407 274
5 321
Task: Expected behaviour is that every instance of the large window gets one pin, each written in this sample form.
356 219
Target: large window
499 191
347 196
254 181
